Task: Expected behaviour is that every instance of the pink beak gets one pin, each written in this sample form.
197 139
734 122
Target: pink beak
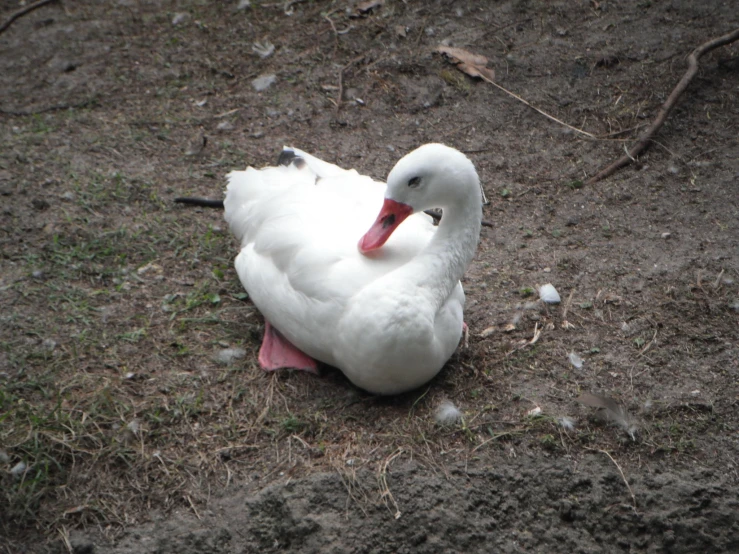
391 215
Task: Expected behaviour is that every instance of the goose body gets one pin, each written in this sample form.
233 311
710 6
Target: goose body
378 299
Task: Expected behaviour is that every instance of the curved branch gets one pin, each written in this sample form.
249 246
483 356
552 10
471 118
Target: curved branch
23 11
666 108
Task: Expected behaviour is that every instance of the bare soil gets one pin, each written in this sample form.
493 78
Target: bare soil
120 429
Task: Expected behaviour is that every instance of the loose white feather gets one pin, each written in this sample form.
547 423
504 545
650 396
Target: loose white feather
447 413
549 294
566 422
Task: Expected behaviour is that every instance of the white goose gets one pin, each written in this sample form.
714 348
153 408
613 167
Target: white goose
387 311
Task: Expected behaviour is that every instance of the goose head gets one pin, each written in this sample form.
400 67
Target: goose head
432 176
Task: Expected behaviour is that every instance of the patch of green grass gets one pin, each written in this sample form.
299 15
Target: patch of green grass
549 442
133 336
39 434
39 125
291 424
455 79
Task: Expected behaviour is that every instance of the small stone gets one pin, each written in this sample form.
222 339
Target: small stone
18 470
48 344
243 4
228 355
263 82
37 274
180 18
666 235
225 126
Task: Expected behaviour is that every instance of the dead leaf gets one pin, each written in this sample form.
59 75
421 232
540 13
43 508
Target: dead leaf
76 509
473 65
460 55
477 71
487 332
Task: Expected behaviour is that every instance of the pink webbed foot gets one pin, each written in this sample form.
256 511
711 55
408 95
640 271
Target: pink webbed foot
466 334
277 352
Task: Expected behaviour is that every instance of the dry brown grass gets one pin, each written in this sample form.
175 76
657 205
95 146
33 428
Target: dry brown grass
115 302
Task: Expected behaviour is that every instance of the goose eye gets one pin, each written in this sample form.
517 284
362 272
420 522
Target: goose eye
414 182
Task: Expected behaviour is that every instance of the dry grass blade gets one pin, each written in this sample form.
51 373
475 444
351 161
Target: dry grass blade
525 343
621 471
385 493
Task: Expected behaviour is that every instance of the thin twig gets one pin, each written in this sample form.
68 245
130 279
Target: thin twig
192 505
666 108
384 488
23 11
53 108
65 538
621 471
496 437
649 344
545 114
341 80
336 35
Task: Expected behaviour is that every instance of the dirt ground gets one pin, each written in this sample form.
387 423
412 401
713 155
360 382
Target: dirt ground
133 415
